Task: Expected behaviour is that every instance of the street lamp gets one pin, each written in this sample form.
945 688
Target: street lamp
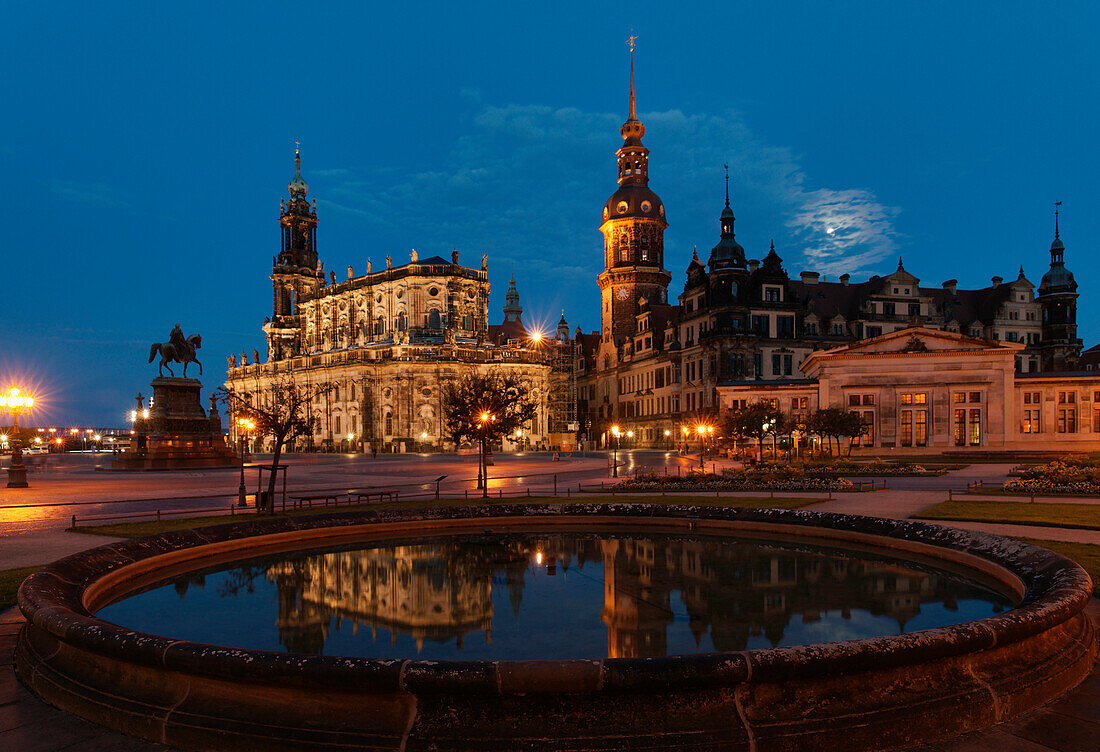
668 439
15 402
703 431
615 452
244 425
485 419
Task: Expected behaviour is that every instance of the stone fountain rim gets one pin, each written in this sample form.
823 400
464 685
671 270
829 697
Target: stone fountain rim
1054 590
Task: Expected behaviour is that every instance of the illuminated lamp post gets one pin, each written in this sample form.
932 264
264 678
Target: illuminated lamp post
484 420
15 402
703 431
244 425
668 439
615 432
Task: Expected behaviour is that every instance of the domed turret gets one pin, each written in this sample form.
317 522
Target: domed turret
297 186
1057 294
1058 277
728 253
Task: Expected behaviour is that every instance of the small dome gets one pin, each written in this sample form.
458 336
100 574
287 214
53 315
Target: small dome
297 186
632 200
1057 276
632 129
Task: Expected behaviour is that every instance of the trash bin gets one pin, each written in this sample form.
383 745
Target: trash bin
263 503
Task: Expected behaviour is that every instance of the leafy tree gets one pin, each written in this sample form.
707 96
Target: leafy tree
756 421
503 396
281 412
832 423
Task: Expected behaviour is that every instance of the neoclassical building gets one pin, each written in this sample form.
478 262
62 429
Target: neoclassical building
384 342
654 364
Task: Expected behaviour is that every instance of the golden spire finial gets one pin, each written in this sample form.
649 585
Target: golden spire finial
631 41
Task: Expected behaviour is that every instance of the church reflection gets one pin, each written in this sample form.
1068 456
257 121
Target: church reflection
730 590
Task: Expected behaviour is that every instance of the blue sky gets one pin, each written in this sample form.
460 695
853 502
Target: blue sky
147 148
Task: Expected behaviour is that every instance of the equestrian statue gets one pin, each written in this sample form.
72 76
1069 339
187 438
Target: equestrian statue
176 350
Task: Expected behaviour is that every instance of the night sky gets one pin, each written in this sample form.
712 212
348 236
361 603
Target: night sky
146 150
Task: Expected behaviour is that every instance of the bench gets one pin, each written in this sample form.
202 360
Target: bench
308 499
366 494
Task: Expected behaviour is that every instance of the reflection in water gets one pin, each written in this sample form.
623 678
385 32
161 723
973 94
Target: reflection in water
660 596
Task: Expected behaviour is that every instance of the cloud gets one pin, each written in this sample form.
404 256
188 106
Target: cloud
94 194
526 184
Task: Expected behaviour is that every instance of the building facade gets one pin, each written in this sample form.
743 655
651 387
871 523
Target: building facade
654 366
384 342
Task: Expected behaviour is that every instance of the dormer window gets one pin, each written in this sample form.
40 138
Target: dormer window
773 294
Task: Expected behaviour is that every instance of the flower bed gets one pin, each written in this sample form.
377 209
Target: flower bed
1073 474
764 479
874 467
1079 486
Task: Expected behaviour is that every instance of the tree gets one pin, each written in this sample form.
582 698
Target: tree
756 421
832 423
281 412
486 407
503 395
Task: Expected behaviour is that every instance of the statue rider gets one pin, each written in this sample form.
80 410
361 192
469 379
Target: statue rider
177 339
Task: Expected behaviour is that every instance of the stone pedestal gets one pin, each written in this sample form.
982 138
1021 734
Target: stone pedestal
178 434
17 476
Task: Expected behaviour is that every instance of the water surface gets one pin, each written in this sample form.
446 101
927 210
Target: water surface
555 595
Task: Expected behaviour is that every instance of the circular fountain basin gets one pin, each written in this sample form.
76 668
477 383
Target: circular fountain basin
575 626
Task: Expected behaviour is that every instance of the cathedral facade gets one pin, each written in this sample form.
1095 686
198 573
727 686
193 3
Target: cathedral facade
657 366
384 342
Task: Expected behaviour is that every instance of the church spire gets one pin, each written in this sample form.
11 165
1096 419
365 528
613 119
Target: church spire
632 130
633 107
727 168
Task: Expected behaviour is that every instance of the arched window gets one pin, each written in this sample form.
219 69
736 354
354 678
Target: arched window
389 424
434 321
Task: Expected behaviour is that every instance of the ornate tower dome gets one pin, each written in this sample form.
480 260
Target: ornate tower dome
297 186
728 254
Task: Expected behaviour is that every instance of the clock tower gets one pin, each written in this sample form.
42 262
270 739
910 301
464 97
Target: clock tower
633 229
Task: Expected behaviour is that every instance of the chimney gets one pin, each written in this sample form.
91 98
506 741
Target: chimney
810 278
753 265
950 285
350 275
844 279
997 281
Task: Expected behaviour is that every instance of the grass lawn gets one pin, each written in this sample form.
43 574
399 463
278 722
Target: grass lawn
1086 516
10 580
1085 554
152 527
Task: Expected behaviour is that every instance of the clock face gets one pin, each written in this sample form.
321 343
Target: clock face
622 293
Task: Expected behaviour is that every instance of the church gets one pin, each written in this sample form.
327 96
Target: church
386 341
743 331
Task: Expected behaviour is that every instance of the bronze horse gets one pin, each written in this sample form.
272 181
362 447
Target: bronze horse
172 353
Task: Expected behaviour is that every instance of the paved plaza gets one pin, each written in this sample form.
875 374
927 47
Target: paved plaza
33 523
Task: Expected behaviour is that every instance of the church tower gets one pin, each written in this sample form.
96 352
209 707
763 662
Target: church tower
295 271
513 311
633 228
1059 346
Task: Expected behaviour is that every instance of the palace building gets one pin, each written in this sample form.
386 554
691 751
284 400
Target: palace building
384 342
743 330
